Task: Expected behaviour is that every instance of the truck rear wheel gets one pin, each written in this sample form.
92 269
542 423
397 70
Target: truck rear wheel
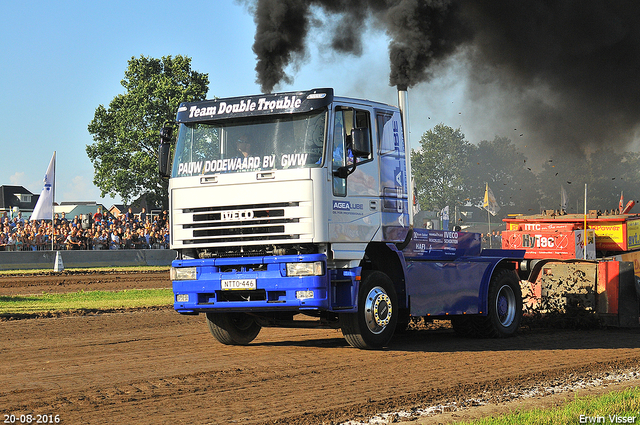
374 323
504 306
233 328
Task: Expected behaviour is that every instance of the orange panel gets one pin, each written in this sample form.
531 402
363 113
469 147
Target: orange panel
608 286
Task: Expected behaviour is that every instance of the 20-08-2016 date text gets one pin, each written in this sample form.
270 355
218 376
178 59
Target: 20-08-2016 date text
32 419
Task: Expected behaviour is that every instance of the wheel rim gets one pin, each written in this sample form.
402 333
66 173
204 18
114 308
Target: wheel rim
377 310
506 305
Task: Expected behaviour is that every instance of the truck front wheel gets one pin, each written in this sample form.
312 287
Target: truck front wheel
233 328
374 323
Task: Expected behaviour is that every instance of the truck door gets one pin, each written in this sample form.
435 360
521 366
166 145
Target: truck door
355 209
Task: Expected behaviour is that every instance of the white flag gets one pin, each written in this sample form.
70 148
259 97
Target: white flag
490 204
444 213
44 206
563 198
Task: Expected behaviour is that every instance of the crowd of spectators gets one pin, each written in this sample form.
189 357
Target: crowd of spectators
492 240
102 230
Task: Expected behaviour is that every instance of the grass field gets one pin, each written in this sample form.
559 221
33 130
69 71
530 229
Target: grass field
616 407
85 300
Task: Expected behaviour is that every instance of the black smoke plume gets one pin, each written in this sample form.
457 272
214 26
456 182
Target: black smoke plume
421 32
567 67
567 70
281 28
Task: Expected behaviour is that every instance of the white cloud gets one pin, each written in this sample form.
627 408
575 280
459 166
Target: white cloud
80 188
77 190
17 179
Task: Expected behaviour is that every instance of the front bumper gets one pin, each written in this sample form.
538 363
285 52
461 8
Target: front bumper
273 289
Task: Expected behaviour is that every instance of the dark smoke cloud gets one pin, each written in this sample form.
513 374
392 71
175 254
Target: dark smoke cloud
565 70
569 68
422 31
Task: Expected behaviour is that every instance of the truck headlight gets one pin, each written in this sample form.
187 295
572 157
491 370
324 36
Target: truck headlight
305 269
183 273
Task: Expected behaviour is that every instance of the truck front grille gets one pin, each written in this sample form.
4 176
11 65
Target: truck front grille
240 223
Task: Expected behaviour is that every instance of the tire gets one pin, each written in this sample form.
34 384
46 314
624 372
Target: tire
504 312
373 325
233 328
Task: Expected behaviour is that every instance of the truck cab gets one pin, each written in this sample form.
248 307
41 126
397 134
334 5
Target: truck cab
282 174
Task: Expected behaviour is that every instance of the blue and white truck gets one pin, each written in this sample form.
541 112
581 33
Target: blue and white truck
293 210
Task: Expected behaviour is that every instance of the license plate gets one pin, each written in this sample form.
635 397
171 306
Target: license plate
232 284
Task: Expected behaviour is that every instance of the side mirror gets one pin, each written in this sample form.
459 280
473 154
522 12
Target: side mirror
164 151
360 142
359 146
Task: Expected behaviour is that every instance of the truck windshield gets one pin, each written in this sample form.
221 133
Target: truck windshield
250 144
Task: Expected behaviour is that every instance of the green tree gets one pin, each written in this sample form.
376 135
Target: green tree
126 135
439 168
606 173
504 168
613 173
567 171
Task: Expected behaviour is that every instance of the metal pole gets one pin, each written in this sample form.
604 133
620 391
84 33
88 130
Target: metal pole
489 218
53 200
584 255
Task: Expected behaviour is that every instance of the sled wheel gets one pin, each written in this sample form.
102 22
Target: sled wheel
374 323
233 328
504 306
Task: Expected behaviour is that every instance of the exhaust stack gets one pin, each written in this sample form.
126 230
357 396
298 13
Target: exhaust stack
403 104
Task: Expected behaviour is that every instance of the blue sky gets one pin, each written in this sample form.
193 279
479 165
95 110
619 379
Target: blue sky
61 60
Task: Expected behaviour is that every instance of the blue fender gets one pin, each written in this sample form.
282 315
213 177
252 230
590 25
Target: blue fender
446 273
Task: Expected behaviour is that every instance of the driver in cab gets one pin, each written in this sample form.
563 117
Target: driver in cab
243 146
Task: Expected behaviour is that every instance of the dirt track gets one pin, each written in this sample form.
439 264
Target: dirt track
67 281
159 367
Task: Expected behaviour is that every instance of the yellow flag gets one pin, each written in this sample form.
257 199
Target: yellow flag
490 204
